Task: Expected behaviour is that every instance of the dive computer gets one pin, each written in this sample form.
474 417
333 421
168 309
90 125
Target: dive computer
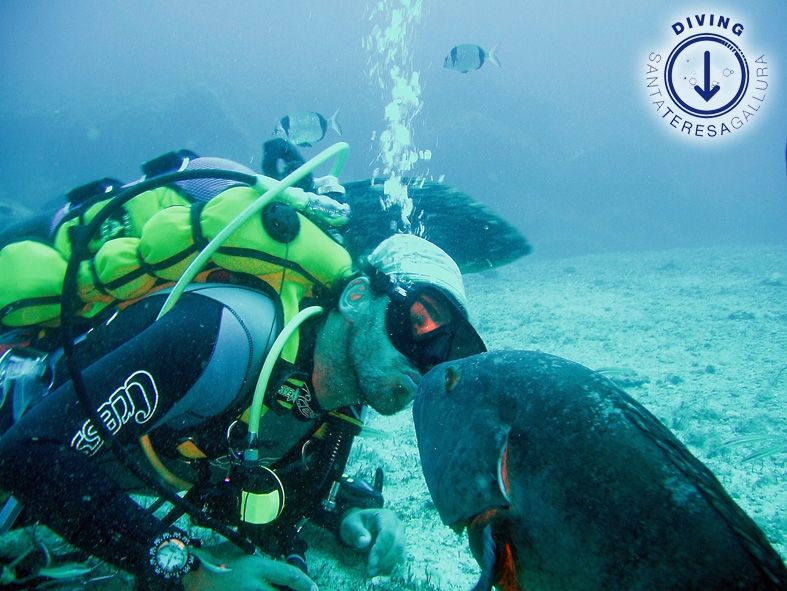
170 556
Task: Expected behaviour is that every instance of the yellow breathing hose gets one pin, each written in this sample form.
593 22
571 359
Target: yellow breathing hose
255 411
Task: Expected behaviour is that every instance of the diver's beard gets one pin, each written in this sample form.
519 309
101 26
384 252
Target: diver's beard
378 387
348 355
335 378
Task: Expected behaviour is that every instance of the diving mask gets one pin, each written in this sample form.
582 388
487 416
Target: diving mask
427 326
427 317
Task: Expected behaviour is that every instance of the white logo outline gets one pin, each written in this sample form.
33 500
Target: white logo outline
137 400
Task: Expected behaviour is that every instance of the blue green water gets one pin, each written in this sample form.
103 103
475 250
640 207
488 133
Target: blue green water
561 139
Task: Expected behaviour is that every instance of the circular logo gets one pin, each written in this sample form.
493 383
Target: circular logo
706 75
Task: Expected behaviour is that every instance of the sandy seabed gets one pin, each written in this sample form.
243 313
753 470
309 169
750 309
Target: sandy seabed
698 335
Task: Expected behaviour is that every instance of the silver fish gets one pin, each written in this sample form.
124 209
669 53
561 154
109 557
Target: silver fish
305 128
467 58
566 482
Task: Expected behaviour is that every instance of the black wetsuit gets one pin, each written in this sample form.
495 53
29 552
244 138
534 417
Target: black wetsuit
186 376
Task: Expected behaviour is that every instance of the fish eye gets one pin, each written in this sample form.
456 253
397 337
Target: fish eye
451 377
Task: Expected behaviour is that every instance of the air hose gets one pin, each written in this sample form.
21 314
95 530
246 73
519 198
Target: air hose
255 412
80 239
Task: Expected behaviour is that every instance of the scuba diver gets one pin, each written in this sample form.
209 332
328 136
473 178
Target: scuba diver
176 393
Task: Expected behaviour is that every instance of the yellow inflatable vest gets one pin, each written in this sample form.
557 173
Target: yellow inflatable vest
153 237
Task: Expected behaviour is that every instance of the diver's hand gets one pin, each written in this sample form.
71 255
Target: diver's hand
379 530
245 573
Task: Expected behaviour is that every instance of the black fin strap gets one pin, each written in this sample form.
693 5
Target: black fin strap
195 213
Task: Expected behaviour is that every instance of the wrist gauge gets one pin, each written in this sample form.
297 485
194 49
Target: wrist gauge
170 556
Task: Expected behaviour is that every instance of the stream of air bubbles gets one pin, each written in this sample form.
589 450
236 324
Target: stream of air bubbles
389 49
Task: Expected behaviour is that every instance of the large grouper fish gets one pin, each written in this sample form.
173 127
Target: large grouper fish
565 482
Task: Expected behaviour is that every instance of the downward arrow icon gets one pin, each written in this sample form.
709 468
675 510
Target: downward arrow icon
707 93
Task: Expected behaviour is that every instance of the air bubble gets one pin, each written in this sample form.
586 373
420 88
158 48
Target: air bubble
390 47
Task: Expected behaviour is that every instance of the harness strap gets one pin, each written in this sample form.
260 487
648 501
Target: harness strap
99 285
195 214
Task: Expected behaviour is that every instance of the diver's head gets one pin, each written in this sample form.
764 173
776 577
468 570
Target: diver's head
406 313
426 318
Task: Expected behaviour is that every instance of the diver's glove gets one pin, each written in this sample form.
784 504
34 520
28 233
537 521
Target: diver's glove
347 494
280 158
380 532
356 515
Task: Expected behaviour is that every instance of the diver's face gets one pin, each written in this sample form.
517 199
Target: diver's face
386 378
